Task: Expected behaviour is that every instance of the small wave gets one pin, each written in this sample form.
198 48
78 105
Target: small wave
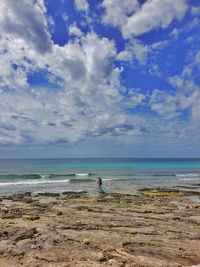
164 174
188 175
33 182
188 179
24 176
75 174
118 179
81 180
85 174
114 179
82 174
43 176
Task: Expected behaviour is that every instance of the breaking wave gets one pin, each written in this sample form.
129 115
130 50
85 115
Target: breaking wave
39 176
188 176
27 182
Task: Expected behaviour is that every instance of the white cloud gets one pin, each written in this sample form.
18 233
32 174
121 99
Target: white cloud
175 33
90 86
135 98
117 11
74 30
171 107
81 5
87 101
65 17
136 50
170 104
186 80
134 20
25 21
192 24
124 55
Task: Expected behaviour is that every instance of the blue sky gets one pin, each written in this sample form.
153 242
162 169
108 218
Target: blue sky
104 78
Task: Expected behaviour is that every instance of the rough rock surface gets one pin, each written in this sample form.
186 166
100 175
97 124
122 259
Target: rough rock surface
158 227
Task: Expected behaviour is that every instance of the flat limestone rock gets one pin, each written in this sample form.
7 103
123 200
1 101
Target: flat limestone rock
158 227
195 219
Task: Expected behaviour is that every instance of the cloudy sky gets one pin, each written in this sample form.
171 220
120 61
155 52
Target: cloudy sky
99 78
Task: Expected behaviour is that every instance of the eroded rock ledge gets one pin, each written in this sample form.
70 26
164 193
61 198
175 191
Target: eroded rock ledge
158 227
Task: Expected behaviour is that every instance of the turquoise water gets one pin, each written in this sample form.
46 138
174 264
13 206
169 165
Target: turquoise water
119 175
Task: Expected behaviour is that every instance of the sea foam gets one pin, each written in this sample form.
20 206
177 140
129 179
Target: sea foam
27 182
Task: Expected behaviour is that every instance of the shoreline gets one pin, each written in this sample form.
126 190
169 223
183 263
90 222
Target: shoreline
156 227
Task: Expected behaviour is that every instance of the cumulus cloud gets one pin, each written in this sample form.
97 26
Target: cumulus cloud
83 97
117 11
186 98
25 20
134 19
186 80
84 64
86 101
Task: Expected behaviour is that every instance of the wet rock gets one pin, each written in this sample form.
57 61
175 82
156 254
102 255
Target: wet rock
11 213
167 191
25 234
19 196
70 195
46 194
28 200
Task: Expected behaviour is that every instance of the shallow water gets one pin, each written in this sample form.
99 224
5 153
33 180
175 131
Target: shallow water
119 175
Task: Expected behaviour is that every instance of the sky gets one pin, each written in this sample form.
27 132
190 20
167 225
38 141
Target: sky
99 78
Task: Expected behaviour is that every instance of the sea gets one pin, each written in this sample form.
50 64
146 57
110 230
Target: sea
121 175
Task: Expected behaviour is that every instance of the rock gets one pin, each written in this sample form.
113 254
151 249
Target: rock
19 196
59 213
25 234
115 263
4 234
48 194
151 229
194 219
10 213
28 200
71 194
85 241
103 259
31 217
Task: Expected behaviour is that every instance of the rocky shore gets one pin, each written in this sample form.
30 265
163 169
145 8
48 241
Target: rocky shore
157 227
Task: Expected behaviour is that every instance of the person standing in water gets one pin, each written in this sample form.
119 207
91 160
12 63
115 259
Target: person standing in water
99 184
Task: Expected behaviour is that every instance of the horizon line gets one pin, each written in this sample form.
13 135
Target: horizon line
99 158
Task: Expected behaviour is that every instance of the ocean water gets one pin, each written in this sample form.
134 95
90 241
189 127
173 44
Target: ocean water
119 175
